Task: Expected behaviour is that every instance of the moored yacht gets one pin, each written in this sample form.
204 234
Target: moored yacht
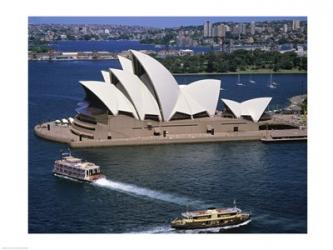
239 82
272 84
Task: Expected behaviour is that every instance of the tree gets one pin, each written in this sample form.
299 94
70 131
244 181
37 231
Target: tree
210 62
239 59
304 106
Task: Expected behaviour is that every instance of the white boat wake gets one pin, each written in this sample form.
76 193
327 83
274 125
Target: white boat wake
238 225
168 229
148 193
156 230
214 229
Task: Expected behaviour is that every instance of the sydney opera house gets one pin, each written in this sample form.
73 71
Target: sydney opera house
143 103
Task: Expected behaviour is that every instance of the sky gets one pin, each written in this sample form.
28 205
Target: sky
159 22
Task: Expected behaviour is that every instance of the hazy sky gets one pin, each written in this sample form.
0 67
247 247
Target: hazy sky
161 22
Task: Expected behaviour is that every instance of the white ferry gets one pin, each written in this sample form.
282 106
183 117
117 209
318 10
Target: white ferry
75 168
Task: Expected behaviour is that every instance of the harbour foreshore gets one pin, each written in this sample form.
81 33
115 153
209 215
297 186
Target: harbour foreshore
253 72
104 55
62 134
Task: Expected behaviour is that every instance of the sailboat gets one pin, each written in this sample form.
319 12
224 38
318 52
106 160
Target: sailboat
251 80
272 84
238 82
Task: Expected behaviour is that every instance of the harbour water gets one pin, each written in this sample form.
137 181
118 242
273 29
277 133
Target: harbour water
147 186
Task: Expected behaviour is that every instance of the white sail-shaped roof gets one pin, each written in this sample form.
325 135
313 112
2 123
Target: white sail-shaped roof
145 87
187 105
234 106
112 97
126 64
106 76
142 99
256 107
253 107
204 92
164 84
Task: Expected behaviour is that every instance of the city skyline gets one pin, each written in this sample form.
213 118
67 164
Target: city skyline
158 22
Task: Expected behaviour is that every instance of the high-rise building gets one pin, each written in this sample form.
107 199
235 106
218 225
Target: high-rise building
253 28
227 28
214 31
207 29
285 28
221 30
243 28
236 30
296 24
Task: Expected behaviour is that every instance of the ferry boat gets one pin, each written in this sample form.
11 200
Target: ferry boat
211 218
77 169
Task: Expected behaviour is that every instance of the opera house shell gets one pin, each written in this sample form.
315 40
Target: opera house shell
144 100
145 89
253 108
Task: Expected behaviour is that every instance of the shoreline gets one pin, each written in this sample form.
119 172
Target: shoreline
243 73
62 134
259 72
175 139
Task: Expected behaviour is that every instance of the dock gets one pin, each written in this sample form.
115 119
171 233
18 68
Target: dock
285 136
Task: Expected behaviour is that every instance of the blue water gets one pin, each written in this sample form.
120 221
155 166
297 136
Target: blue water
149 185
112 46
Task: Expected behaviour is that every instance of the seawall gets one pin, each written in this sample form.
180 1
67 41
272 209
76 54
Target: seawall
62 134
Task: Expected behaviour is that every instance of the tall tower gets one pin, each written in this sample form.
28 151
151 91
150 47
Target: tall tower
207 29
214 31
285 28
210 29
221 30
243 28
296 24
253 27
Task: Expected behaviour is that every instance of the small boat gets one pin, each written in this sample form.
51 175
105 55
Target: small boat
211 218
272 84
75 168
251 80
239 82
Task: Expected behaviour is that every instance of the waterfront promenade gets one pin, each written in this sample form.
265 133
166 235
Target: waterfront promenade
62 134
72 56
